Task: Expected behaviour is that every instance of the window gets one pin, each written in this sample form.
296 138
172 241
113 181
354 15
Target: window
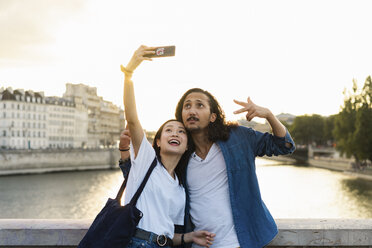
4 133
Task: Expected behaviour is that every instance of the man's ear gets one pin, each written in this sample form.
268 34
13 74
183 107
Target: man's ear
213 117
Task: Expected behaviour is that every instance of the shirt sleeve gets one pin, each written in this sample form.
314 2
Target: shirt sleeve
269 144
142 162
125 166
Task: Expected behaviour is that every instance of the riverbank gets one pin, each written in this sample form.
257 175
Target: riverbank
340 164
15 162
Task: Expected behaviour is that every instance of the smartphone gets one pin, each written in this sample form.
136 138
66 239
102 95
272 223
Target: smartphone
164 51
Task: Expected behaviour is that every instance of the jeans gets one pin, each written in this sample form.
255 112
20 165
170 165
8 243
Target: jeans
141 243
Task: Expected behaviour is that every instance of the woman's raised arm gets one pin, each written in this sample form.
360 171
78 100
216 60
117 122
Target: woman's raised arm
131 116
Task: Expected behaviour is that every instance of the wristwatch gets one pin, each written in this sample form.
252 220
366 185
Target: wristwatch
123 161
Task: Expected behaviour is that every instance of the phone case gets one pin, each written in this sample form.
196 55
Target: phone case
164 51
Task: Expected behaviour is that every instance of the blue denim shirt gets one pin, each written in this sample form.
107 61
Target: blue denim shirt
254 225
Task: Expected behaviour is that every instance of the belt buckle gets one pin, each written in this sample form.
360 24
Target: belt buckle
161 238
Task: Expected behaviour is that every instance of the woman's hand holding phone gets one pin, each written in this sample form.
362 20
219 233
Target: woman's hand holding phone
137 58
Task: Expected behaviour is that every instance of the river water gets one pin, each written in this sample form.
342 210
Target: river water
288 191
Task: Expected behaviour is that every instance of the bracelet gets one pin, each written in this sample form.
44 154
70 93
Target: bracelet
182 239
123 69
125 149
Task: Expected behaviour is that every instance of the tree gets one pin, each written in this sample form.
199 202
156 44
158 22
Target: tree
328 127
308 129
353 125
363 125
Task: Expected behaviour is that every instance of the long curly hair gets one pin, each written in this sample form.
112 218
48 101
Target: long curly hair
217 130
181 166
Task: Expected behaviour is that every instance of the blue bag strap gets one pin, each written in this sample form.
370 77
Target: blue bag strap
141 187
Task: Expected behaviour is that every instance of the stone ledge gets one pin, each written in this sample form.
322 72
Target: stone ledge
48 233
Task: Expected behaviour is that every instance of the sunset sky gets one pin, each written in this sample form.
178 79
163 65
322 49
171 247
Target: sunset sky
290 56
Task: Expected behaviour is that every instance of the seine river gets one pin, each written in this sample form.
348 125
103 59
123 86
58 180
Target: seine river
288 191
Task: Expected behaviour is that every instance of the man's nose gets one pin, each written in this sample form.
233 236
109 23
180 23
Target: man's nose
192 111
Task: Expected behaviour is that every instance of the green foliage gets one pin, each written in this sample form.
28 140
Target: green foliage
308 129
363 133
353 125
328 127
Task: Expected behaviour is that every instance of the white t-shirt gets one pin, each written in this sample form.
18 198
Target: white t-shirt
162 201
210 207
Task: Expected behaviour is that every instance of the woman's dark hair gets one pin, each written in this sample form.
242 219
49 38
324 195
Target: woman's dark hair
217 130
181 166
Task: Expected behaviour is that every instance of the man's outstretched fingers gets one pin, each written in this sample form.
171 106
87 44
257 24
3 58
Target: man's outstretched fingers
240 103
240 111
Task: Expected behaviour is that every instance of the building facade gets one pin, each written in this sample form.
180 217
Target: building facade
105 120
81 119
23 122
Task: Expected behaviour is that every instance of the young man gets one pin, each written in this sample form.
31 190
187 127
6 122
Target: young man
223 195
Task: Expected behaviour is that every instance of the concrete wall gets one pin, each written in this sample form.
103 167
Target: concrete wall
292 233
38 161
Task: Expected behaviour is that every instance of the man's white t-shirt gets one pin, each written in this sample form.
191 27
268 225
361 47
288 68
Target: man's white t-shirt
210 207
163 199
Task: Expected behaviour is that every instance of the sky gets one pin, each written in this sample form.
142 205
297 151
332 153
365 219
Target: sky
289 56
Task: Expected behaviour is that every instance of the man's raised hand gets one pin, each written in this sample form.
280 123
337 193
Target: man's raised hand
252 109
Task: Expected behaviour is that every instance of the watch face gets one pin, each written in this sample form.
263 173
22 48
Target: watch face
122 161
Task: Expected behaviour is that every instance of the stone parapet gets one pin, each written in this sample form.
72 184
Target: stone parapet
38 233
40 161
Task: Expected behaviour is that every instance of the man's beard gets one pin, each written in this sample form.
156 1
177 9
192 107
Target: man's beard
196 129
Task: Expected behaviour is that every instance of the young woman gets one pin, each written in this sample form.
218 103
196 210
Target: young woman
163 199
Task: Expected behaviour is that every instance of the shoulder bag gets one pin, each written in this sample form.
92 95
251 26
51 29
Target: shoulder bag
115 225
